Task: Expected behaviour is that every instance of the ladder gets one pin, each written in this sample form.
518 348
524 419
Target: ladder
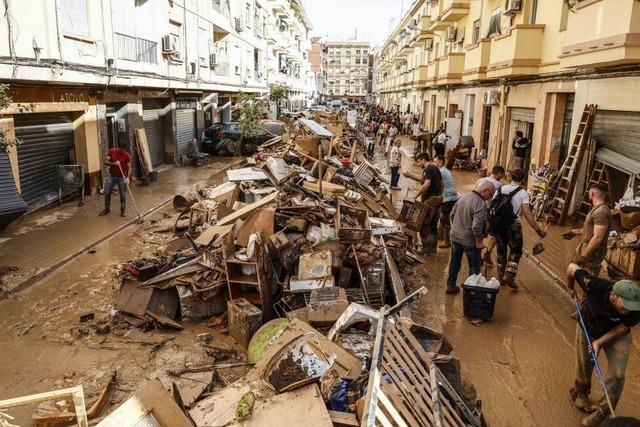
598 175
568 175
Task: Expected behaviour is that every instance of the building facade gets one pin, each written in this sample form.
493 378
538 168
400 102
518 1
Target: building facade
289 44
96 71
317 68
347 70
531 65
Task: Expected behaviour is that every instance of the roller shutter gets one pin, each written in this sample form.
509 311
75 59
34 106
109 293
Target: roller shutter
185 129
11 204
523 114
154 128
618 131
47 141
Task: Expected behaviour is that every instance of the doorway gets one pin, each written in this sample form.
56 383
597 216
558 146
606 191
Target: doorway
486 127
467 128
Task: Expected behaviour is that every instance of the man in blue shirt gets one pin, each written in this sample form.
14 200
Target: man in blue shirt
449 198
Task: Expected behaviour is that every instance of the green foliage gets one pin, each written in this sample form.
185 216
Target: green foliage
249 113
279 91
7 143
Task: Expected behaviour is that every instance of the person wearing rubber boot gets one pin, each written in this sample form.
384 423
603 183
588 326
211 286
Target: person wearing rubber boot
609 311
593 248
449 198
430 192
507 227
119 162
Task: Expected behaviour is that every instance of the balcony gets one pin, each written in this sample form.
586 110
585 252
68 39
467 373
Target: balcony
420 76
476 59
451 68
280 6
612 38
516 53
453 10
432 73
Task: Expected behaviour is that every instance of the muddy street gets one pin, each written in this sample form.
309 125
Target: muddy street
59 333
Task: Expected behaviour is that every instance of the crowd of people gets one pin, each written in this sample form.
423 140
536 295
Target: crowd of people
491 216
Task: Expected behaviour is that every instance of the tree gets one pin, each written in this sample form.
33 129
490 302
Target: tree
248 113
7 143
278 92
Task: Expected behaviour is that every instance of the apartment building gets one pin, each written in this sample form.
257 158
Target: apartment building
98 70
530 65
317 67
347 70
289 44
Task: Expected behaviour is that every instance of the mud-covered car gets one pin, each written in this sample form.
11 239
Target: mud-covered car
223 139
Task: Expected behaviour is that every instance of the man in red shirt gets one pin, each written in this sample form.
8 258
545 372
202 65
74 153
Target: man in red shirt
119 162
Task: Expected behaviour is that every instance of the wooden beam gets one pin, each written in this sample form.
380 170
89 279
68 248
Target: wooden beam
343 418
75 392
247 210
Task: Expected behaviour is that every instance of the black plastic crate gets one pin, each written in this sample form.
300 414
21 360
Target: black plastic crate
478 302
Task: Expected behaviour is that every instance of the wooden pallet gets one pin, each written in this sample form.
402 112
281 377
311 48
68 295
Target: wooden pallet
568 175
598 175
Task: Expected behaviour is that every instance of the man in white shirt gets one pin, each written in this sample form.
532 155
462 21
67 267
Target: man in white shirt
408 120
509 233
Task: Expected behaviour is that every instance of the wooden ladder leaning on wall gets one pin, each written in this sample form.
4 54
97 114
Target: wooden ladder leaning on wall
599 175
568 176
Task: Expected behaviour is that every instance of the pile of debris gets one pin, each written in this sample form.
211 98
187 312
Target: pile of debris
297 256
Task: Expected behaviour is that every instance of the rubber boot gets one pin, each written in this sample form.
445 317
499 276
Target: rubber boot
500 273
595 419
509 277
581 400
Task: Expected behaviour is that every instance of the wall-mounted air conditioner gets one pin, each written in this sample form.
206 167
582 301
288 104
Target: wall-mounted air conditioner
170 43
451 34
428 44
512 6
213 60
238 24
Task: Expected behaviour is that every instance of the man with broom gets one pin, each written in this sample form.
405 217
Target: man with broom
119 162
606 317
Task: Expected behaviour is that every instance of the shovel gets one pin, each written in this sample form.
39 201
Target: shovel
538 248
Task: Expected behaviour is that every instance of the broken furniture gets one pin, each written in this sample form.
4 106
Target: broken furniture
76 393
70 181
195 156
244 320
352 224
246 278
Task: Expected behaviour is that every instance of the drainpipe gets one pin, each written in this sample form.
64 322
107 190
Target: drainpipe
55 4
12 48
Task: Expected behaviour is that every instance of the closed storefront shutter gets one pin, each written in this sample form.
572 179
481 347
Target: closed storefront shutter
619 131
11 204
154 128
47 141
523 114
185 129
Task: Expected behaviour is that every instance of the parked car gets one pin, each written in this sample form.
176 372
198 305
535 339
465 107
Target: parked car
223 139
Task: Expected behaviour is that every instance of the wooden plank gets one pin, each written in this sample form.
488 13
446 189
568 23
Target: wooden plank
411 408
388 406
316 128
245 211
343 418
143 147
396 279
327 187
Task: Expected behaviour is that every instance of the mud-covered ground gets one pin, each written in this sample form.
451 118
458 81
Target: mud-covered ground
521 363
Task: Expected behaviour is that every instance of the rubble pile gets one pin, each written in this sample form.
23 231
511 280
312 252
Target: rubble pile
298 258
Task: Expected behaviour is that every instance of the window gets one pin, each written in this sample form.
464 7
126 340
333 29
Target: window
358 61
475 36
135 49
73 17
247 15
203 47
237 70
494 24
221 6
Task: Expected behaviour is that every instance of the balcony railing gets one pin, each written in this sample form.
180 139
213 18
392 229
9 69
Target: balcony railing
612 36
453 10
516 53
135 49
451 68
476 59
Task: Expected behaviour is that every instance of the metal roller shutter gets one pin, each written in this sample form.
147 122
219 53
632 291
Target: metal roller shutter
185 129
47 141
11 204
523 114
154 128
619 132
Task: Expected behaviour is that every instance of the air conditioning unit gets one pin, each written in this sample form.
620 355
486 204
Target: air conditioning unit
428 45
238 25
213 60
492 97
451 34
512 6
414 24
169 43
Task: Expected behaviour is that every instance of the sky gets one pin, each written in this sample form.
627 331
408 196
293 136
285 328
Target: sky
339 19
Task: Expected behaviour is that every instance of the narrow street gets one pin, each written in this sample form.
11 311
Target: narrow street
521 363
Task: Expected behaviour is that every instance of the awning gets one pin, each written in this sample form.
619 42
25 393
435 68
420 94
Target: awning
618 161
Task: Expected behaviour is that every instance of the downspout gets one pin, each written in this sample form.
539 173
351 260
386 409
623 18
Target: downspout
57 30
500 134
12 49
